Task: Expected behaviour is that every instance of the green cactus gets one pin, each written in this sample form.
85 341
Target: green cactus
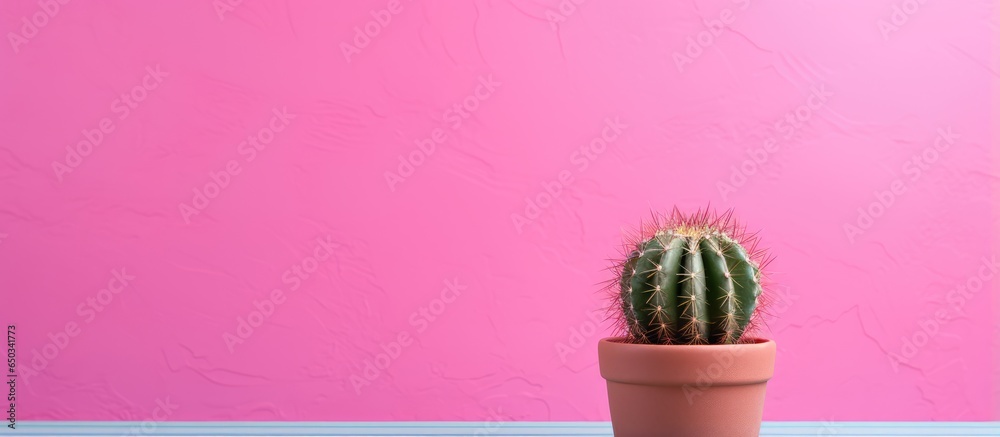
689 280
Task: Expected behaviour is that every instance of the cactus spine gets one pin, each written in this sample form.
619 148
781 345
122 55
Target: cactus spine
691 282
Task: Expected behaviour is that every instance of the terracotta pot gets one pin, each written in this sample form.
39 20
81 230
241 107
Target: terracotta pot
686 391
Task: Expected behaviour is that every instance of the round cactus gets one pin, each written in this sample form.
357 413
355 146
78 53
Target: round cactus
689 279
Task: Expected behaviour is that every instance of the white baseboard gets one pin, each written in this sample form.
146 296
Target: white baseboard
520 429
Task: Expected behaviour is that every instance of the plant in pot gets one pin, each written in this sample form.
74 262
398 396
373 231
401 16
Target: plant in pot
685 363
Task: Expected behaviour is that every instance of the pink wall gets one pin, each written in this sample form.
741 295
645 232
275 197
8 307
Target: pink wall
368 214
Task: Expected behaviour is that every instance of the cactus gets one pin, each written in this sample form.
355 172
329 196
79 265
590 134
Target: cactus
689 279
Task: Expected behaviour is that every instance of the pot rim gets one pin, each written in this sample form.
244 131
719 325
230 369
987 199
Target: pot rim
756 342
657 364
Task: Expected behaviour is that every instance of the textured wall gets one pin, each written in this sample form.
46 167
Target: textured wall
255 211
